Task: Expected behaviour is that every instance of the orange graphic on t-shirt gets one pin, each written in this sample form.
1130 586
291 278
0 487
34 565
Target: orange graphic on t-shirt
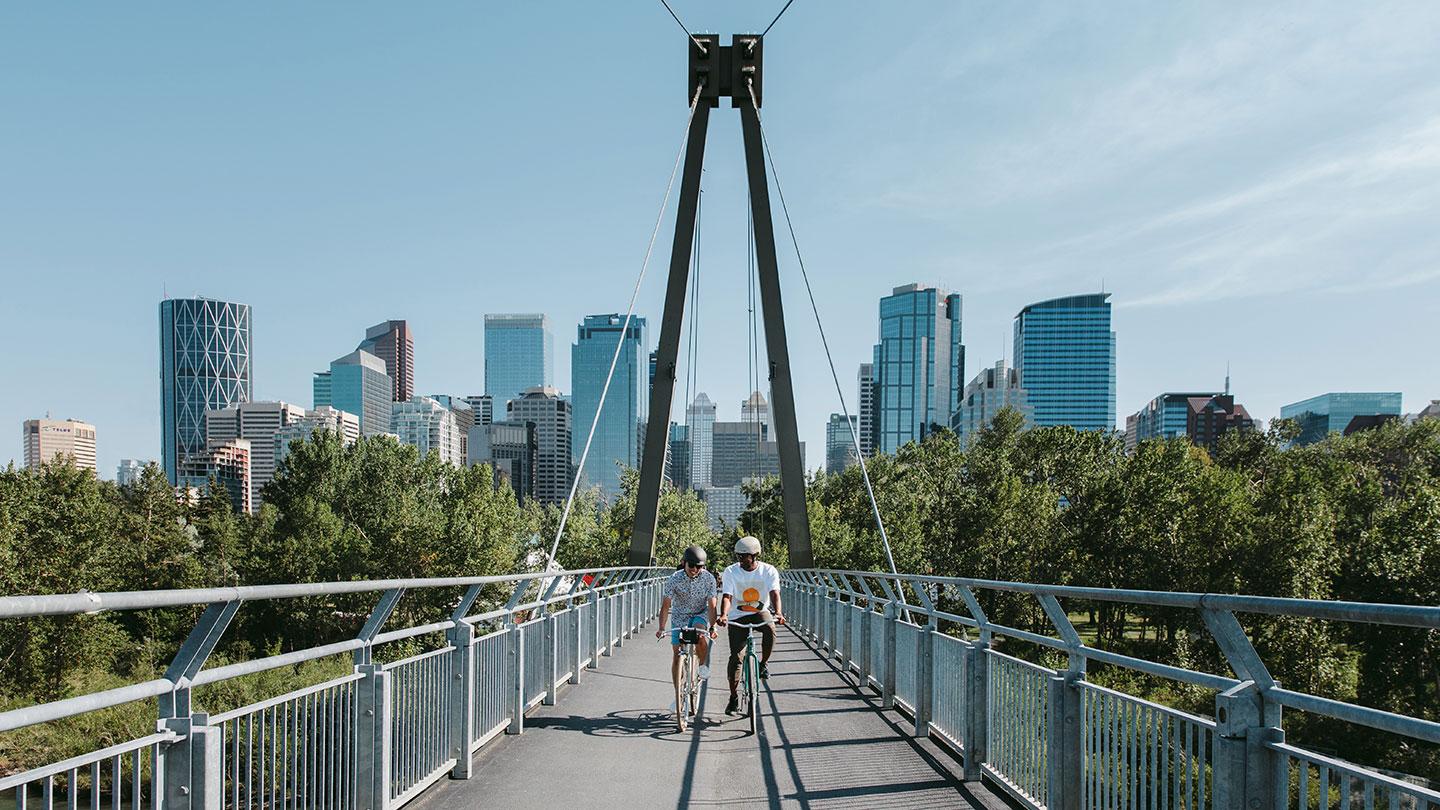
750 600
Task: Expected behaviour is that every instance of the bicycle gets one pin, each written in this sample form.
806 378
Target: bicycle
749 691
687 686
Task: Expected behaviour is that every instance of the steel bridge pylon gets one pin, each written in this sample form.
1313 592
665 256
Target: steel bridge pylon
715 72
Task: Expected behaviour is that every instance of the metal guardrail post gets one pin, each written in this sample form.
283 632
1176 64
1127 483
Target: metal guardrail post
977 708
1063 742
551 664
578 641
191 767
462 684
192 772
1247 774
864 663
924 677
462 697
372 738
887 688
517 694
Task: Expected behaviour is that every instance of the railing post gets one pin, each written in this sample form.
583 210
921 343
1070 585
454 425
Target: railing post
1245 768
887 688
1248 775
517 654
462 697
192 772
1063 741
864 662
842 633
579 641
372 738
622 604
597 638
977 708
552 658
924 677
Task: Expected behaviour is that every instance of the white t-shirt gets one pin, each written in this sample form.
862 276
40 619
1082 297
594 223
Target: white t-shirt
750 589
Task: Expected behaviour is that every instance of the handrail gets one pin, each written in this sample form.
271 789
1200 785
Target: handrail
86 602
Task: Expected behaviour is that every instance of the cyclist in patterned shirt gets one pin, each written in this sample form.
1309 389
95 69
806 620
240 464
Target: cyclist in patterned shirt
689 602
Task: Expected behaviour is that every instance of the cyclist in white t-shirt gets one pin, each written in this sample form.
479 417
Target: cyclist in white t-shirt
748 586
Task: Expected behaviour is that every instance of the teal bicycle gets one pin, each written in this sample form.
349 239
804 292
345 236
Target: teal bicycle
749 691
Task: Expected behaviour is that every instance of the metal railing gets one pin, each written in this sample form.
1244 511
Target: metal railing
1050 738
372 739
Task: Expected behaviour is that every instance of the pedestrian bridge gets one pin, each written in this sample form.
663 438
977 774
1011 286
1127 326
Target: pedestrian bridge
885 691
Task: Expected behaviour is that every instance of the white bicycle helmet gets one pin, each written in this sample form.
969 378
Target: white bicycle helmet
747 545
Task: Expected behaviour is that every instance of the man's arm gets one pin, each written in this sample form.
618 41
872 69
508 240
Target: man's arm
724 610
664 616
775 596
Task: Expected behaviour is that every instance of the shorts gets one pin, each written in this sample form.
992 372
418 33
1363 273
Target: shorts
679 624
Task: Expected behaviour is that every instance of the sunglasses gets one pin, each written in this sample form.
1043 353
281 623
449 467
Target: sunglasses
751 556
694 565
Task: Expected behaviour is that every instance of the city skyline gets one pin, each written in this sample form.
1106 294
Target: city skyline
1314 231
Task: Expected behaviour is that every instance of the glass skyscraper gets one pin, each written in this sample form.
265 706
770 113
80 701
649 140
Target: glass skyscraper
919 364
357 383
519 354
1065 353
204 365
617 433
1329 413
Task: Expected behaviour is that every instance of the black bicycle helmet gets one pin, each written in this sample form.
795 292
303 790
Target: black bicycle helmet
694 555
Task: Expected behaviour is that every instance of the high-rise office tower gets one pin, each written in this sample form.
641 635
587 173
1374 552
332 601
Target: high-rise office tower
552 418
919 364
483 406
128 472
755 410
744 450
678 461
700 432
865 396
1065 353
428 426
258 422
204 365
45 439
465 416
983 397
617 434
357 383
840 443
519 355
392 342
228 464
344 424
511 449
1337 412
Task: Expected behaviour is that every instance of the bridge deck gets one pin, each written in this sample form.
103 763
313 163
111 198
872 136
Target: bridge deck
610 743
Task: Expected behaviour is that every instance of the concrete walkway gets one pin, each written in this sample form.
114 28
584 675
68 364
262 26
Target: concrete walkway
610 742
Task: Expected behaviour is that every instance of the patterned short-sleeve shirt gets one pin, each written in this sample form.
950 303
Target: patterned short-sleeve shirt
689 597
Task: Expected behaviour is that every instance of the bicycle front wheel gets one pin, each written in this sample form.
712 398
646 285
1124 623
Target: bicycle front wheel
692 682
680 697
752 697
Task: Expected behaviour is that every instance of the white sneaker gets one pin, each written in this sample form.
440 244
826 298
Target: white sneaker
704 672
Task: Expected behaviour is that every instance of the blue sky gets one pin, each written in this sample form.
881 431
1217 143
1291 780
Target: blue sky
1257 184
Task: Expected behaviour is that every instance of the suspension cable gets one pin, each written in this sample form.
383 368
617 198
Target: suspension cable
624 329
839 392
777 18
697 42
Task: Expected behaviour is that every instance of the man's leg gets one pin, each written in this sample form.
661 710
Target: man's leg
767 643
737 647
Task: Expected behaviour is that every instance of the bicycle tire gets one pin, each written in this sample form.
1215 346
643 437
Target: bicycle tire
752 671
693 685
679 694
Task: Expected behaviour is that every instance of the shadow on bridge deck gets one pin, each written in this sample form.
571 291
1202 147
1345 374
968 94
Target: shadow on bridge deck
611 743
